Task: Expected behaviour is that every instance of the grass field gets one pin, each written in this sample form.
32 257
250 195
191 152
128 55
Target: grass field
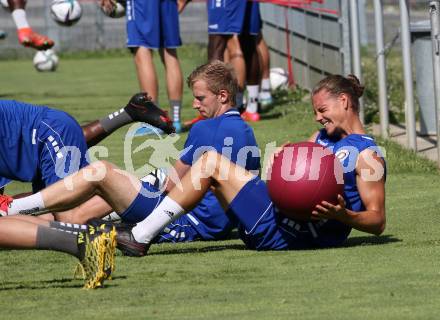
394 276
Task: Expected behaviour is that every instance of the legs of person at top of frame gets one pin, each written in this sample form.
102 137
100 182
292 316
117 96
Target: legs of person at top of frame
26 36
29 38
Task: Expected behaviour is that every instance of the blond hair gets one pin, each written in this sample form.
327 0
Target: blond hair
218 76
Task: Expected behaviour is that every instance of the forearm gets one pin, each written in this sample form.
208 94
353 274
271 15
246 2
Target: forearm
370 221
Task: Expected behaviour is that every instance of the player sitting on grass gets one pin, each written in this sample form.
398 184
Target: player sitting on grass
94 248
213 84
262 226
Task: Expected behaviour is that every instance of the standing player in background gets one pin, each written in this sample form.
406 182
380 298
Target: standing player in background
154 25
262 226
265 96
27 36
233 26
42 145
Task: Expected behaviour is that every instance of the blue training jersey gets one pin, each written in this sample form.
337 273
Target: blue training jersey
19 148
229 135
347 150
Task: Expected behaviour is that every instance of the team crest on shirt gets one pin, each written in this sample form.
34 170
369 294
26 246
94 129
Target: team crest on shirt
342 154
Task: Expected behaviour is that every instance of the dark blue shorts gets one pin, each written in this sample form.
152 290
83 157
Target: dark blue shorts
62 148
43 150
263 227
153 24
233 17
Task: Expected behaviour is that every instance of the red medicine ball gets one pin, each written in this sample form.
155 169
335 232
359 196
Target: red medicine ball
303 175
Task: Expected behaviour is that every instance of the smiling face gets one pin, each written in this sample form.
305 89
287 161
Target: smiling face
206 102
331 111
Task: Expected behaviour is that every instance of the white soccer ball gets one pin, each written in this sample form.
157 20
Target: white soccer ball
279 79
65 12
118 10
45 60
4 4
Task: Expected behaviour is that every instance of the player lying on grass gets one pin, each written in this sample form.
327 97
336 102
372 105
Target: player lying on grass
213 85
34 137
244 196
93 247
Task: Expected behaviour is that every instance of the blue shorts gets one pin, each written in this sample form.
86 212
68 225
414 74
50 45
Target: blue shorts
153 24
57 149
234 17
181 230
263 227
62 148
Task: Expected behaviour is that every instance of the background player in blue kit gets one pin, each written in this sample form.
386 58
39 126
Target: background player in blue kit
262 227
234 25
214 85
154 25
42 145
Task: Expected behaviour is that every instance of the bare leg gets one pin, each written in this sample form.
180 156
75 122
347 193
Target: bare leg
15 233
96 207
26 36
174 83
146 72
216 46
173 73
263 52
211 170
237 60
249 45
117 187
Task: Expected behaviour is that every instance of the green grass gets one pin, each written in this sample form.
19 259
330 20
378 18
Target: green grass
394 276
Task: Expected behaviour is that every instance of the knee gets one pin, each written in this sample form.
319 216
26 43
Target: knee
98 171
211 163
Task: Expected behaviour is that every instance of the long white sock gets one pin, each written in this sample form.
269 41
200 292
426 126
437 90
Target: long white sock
166 212
252 104
26 205
19 17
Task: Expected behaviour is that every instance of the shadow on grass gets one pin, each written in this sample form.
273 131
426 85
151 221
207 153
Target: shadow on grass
210 248
370 241
63 283
351 242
